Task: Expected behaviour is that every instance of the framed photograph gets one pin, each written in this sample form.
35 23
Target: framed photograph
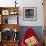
5 12
30 13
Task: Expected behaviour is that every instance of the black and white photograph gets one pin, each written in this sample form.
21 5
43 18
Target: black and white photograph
29 13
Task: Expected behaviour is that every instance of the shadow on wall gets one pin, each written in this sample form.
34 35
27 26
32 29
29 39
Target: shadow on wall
37 29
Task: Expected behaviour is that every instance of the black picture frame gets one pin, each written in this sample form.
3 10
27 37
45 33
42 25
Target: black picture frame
30 13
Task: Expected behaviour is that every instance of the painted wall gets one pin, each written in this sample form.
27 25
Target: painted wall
26 3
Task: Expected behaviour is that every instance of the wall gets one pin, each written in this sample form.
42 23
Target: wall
26 3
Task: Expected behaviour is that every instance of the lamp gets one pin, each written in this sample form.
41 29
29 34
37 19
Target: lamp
15 37
15 30
15 3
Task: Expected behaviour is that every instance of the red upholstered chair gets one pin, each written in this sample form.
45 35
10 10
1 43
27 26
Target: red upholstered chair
29 33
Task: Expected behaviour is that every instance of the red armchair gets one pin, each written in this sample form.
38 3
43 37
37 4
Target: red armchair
28 34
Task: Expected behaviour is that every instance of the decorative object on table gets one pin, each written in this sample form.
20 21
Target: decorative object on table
30 13
13 12
30 38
